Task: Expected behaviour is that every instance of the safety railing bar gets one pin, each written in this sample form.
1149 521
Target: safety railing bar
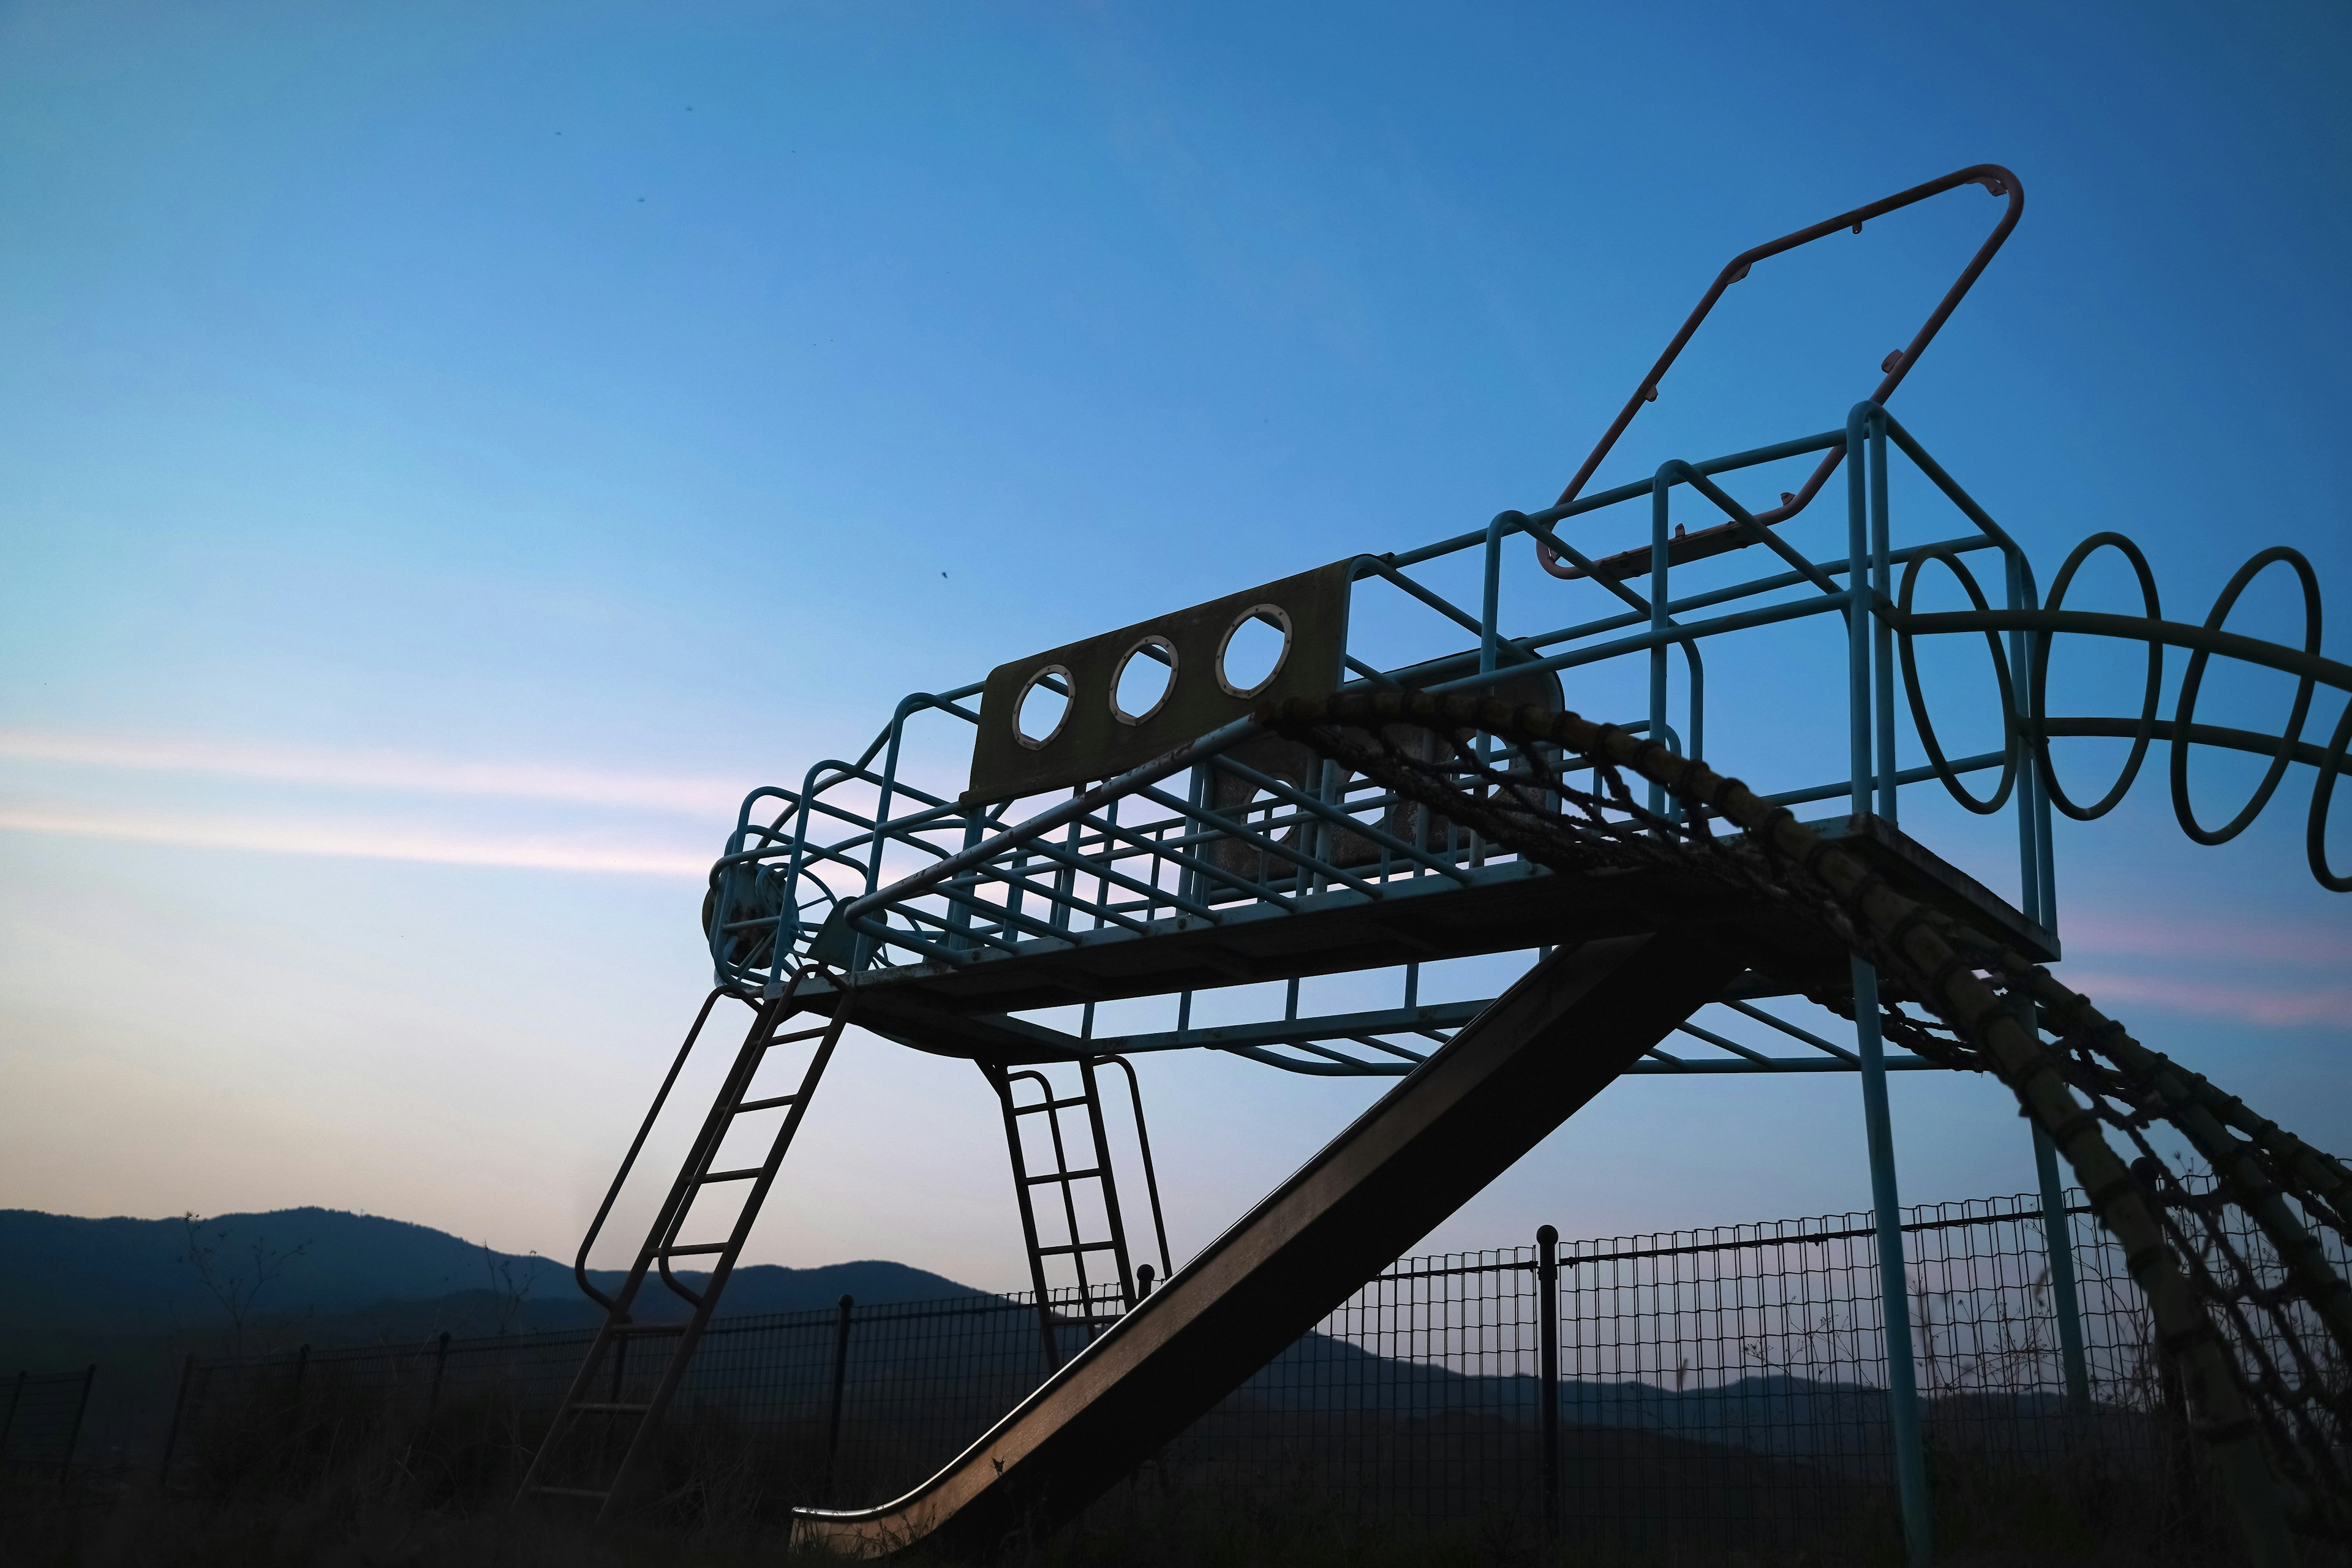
1159 851
1281 790
1004 915
1600 500
1089 867
1435 600
1374 1043
1342 1069
1377 676
1793 1032
2309 752
1795 609
1954 491
1998 180
1758 534
988 933
1712 1038
1738 591
1228 829
1125 783
1911 775
2139 629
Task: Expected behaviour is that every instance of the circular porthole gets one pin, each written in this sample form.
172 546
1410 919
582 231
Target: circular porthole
1145 676
1043 707
1253 650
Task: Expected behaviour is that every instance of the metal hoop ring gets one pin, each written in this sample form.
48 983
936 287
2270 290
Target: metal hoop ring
2181 808
1903 639
1281 619
2038 691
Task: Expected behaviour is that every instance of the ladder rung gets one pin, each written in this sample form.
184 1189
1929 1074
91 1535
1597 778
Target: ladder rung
607 1407
765 1104
745 1174
1078 1246
569 1491
1048 1105
803 1035
697 1250
1062 1176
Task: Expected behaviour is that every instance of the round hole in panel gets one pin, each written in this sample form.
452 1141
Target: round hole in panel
1253 650
1044 706
1140 685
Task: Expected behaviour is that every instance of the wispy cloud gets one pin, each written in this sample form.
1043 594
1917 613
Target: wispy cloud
2205 937
361 842
686 794
2278 1007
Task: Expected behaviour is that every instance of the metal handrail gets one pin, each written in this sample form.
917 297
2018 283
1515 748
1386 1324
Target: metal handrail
1999 181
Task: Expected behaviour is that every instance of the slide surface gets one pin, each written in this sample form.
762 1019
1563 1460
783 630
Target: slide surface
1509 1078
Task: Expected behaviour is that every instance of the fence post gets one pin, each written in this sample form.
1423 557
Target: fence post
2058 1243
179 1405
840 1376
73 1433
7 1425
440 1365
1548 1318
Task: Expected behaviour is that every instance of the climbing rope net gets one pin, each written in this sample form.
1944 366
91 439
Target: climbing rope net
2252 1319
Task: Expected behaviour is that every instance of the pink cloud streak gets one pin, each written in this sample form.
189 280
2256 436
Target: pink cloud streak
2280 1007
363 843
688 794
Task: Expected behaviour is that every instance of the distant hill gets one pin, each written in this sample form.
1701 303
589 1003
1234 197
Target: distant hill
111 1276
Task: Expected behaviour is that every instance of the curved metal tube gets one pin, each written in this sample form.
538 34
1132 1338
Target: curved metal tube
1994 178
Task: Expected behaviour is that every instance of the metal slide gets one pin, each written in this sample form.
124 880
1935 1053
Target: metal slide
1514 1074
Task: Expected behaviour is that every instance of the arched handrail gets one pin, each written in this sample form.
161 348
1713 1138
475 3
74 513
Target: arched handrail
1994 178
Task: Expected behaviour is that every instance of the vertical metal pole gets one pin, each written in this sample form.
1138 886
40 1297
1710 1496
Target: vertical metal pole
1886 1204
840 1380
1547 1379
73 1433
1660 490
1895 1307
2057 1230
1882 633
179 1405
16 1395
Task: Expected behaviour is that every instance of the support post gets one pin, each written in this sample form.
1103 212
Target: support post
840 1382
2058 1239
1548 1382
73 1433
179 1405
1893 1304
8 1423
1861 422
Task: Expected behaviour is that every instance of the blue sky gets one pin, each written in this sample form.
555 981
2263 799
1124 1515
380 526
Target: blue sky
447 454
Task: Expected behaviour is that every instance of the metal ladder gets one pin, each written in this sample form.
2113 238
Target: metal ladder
606 1408
1100 1301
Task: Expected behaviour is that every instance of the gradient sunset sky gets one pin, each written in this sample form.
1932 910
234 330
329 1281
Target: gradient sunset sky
449 453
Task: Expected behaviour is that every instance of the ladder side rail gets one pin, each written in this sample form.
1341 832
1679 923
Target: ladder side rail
1109 1180
1069 1197
616 1308
629 1160
682 1354
1143 1144
663 1237
1001 1081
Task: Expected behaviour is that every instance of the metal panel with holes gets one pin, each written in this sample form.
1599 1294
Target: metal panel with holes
1096 740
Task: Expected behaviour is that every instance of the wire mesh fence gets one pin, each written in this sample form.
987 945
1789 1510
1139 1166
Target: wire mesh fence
1712 1385
41 1421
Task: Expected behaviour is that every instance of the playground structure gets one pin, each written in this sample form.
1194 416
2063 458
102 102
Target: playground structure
1150 815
